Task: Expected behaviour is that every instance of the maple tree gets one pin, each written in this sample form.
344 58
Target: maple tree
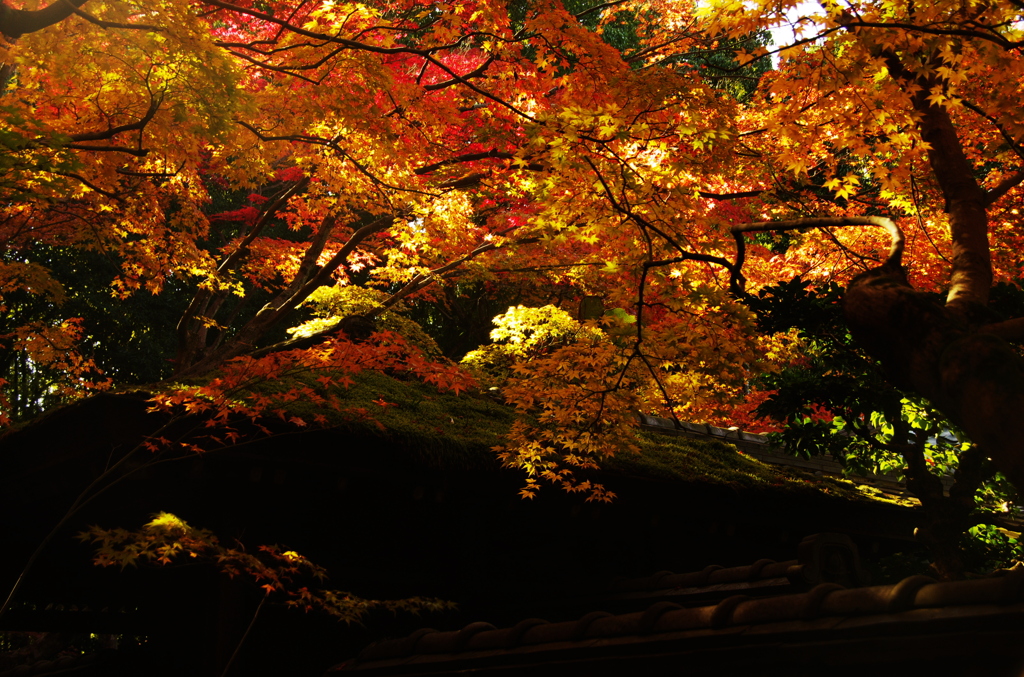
634 151
918 96
326 192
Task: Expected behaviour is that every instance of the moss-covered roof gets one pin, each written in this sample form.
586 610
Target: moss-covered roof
684 459
447 431
443 431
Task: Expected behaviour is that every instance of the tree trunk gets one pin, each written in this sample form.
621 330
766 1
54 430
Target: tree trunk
939 351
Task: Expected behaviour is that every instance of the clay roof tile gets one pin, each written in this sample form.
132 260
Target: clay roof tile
826 607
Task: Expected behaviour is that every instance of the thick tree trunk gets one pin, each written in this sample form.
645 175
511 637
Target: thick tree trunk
966 203
975 378
943 352
972 376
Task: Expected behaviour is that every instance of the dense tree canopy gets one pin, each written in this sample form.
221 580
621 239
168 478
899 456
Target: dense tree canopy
444 161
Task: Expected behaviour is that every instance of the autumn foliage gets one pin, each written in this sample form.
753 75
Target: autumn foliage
265 155
299 583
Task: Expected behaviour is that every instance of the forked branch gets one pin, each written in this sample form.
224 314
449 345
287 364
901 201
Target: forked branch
893 260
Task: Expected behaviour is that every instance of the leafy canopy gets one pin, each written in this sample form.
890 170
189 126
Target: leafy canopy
367 159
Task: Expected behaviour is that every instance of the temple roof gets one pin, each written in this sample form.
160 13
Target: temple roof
961 625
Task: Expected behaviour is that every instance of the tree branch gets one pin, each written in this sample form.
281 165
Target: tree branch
414 285
307 266
114 24
475 73
1010 141
1009 330
731 196
894 259
961 32
15 23
599 8
467 157
427 54
1005 186
137 152
285 302
191 328
422 281
288 299
268 213
91 186
154 106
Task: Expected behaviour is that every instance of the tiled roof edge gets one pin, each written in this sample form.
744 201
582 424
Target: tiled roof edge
909 600
814 556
